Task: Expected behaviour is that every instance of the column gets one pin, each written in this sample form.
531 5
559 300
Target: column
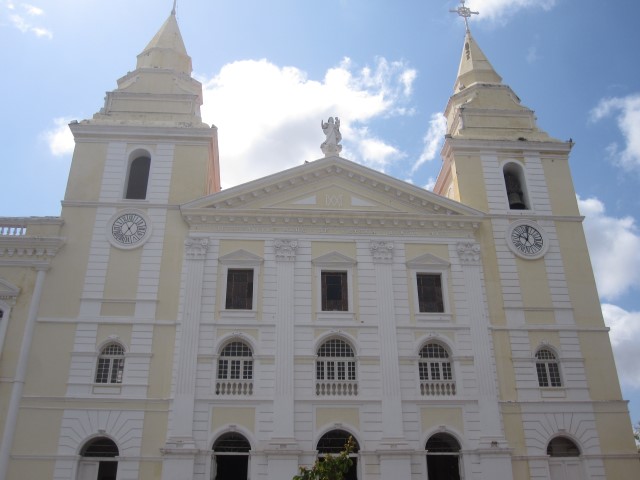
180 450
283 452
21 373
395 459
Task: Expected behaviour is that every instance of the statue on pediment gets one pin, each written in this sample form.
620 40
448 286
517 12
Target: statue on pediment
331 128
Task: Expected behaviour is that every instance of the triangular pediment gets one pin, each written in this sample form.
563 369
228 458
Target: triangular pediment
333 259
333 185
8 291
428 261
240 258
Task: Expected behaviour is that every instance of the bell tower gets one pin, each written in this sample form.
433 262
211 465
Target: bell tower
540 288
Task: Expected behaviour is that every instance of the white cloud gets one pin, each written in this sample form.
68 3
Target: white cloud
627 114
614 244
502 9
625 337
269 116
20 23
59 138
432 140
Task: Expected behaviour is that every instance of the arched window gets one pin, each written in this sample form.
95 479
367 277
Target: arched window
516 187
436 374
443 457
336 369
564 461
110 366
235 370
230 457
333 442
138 178
98 460
548 369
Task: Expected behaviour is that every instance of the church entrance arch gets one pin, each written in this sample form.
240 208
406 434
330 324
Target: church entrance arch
564 459
98 460
230 457
333 443
443 457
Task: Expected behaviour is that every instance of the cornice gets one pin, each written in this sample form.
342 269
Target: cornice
29 250
87 132
500 146
330 222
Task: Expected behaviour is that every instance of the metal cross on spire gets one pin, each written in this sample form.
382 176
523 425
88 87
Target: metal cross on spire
464 12
173 10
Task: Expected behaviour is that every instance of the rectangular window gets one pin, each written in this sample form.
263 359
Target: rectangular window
543 379
430 298
239 289
235 370
223 368
334 291
554 375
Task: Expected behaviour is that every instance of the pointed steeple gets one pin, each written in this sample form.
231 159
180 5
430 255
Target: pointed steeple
160 91
484 108
474 66
166 49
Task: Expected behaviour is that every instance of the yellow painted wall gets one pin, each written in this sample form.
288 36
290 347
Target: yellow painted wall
171 267
468 177
436 416
162 361
602 376
189 173
560 184
329 416
37 432
222 416
65 279
85 176
47 374
123 271
534 285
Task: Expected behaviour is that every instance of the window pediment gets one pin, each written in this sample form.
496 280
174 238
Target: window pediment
428 261
8 291
241 258
333 260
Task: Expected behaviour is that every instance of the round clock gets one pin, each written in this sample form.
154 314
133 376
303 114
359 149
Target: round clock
527 240
128 229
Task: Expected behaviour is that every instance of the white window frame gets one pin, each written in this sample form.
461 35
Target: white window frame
240 381
334 262
111 358
546 362
239 260
342 384
430 265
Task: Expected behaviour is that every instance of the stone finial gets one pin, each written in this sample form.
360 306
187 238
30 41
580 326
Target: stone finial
331 129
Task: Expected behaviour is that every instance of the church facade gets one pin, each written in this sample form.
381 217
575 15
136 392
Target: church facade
163 328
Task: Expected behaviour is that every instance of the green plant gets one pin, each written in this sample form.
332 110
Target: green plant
329 467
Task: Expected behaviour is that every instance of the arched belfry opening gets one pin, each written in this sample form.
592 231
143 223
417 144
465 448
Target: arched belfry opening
98 460
564 459
515 186
138 177
443 457
230 457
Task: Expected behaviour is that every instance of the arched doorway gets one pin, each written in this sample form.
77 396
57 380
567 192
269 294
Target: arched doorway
333 443
98 460
231 457
564 459
443 457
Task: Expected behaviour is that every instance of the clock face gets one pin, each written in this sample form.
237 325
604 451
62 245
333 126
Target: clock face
128 230
526 240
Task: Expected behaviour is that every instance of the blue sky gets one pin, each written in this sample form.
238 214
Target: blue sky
273 70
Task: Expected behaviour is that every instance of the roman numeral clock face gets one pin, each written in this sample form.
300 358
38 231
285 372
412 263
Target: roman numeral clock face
527 240
128 229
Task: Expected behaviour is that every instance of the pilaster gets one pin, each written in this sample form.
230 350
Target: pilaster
283 458
179 452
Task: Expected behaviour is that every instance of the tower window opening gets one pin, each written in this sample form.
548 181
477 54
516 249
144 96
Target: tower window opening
138 178
515 186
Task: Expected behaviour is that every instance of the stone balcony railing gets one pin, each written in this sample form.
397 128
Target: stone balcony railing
337 388
438 388
234 387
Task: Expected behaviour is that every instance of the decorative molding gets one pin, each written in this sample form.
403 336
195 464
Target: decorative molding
469 253
285 249
381 251
196 247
